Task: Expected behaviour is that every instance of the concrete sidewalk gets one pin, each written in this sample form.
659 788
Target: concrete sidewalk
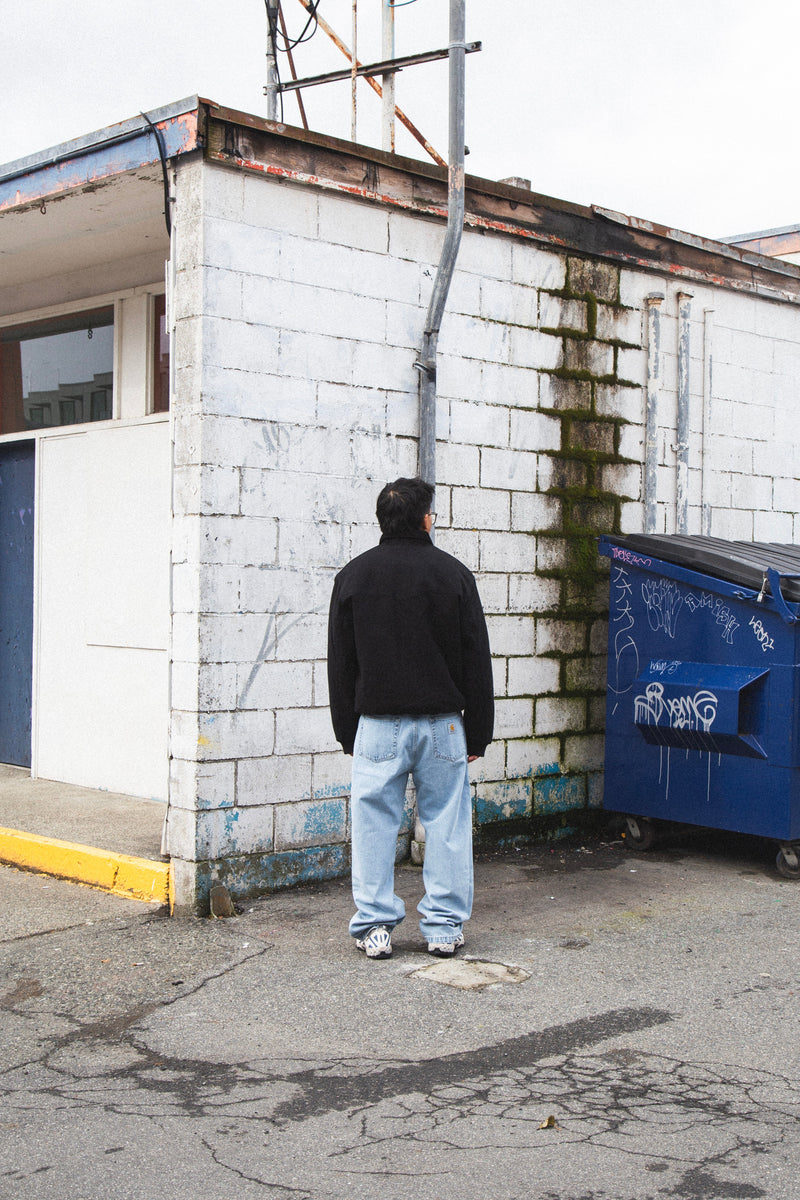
622 1028
101 838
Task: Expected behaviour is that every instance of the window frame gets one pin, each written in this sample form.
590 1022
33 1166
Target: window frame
127 330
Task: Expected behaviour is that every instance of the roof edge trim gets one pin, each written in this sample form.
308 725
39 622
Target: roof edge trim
96 140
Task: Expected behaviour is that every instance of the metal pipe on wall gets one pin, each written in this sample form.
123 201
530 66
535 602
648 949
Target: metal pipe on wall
708 335
653 311
170 271
271 89
682 429
426 364
353 76
387 80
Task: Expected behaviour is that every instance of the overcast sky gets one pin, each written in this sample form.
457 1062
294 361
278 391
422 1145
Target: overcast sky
677 111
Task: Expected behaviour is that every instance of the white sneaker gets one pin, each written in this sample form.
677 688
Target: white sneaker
446 949
376 943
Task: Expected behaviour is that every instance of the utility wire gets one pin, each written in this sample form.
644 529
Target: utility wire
290 57
306 34
276 33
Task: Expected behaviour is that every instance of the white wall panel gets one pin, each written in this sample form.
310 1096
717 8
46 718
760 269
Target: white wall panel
101 707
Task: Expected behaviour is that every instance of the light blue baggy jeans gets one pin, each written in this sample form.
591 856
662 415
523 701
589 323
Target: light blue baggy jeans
433 750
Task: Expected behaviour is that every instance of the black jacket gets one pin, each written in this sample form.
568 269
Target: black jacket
407 635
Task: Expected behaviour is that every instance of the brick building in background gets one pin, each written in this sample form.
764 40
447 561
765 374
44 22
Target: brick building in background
186 538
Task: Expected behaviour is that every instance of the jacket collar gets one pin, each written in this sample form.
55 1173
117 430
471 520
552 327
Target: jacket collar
417 535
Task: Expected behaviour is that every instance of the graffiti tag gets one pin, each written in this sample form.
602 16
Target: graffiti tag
664 668
719 611
693 711
758 629
664 602
626 653
627 556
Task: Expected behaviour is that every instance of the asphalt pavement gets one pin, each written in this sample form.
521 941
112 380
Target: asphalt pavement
619 1026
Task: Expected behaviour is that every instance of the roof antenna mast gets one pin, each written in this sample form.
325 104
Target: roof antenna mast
272 87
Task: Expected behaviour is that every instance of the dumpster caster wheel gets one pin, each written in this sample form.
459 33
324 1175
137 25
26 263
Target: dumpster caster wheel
640 832
788 862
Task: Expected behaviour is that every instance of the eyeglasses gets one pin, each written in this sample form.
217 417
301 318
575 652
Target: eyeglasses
432 516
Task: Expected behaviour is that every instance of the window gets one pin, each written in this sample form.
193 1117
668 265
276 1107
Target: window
57 372
69 410
160 356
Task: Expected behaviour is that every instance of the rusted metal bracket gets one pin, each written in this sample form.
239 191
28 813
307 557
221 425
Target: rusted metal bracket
386 67
373 83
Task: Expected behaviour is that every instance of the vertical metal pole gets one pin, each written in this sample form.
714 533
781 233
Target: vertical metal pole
682 448
376 87
387 81
354 77
708 335
653 304
426 365
452 241
272 60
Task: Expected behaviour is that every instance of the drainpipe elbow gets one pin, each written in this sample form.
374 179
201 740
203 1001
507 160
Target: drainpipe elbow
426 368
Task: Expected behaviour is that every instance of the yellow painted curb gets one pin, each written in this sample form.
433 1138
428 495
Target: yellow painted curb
122 874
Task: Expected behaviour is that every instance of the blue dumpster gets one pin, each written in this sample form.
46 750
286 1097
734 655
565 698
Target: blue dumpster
702 687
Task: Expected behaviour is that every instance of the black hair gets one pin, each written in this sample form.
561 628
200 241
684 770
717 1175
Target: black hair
403 505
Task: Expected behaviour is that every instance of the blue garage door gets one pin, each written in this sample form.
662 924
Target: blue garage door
16 601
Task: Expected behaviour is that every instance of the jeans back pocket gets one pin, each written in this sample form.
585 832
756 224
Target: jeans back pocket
377 738
449 739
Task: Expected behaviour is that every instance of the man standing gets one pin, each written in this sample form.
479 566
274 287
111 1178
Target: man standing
408 653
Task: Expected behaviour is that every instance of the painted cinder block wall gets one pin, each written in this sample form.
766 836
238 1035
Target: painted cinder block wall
298 315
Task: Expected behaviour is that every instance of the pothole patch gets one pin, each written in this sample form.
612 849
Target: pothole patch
471 974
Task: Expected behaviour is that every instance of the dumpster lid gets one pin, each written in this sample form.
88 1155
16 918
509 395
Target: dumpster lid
744 563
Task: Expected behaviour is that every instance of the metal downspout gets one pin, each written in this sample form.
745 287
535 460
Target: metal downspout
708 367
682 428
651 413
169 289
426 363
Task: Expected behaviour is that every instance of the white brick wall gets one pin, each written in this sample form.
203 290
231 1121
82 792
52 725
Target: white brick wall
480 508
362 226
524 757
513 305
535 431
531 348
499 550
479 424
531 676
508 469
513 718
532 593
511 634
509 384
275 780
299 317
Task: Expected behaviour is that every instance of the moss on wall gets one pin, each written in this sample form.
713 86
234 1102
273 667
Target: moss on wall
577 477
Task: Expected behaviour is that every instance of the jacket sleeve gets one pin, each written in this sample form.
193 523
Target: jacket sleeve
342 669
478 679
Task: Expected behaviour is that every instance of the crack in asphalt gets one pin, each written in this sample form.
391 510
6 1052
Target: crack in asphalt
337 1093
696 1125
690 1118
279 1190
